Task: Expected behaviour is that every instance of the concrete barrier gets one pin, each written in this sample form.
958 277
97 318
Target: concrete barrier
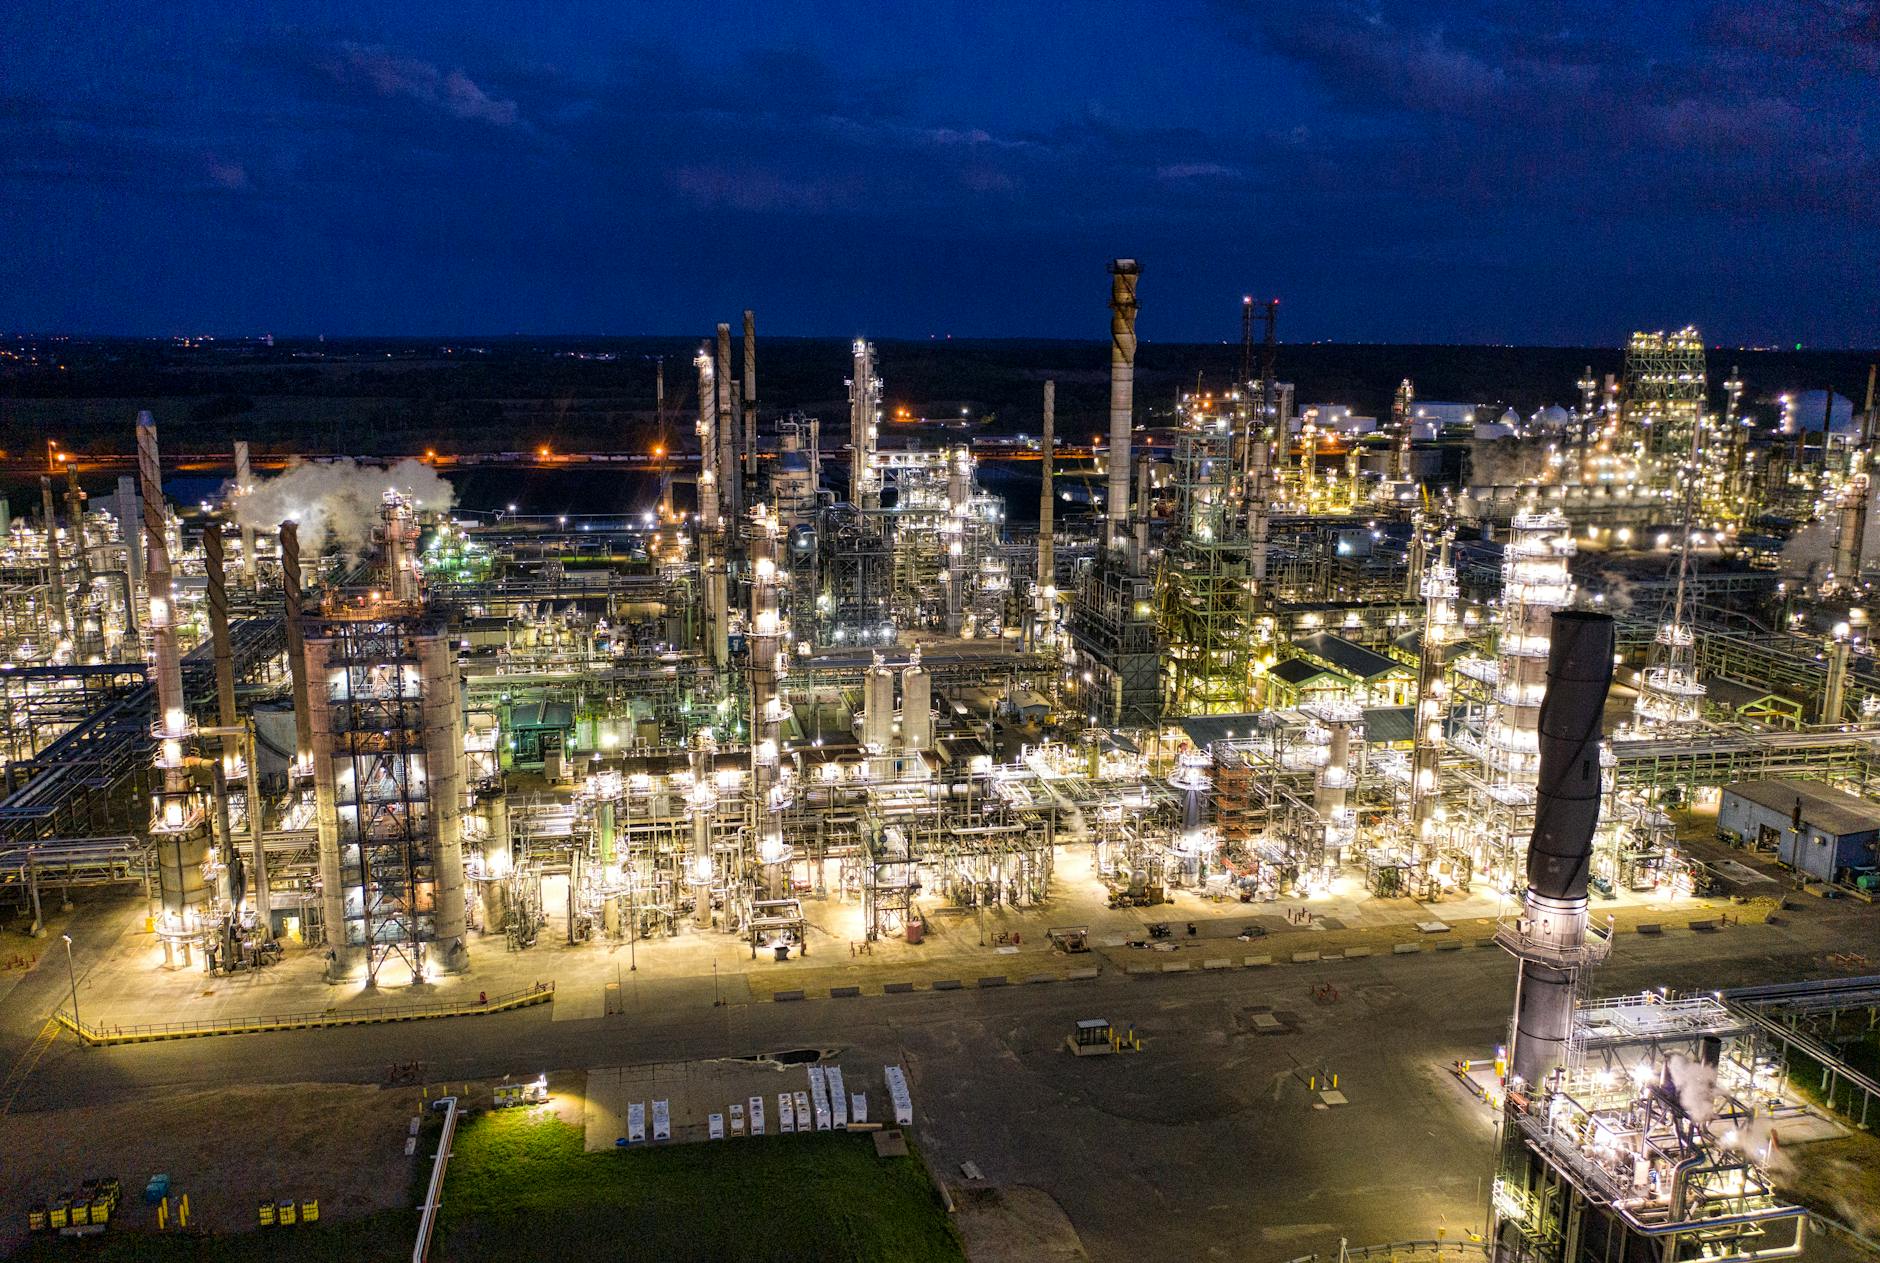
946 984
1040 978
1255 962
896 988
1650 927
1406 949
1450 945
787 995
995 980
844 993
1355 953
1083 975
1304 958
1143 969
1177 967
1218 963
1705 923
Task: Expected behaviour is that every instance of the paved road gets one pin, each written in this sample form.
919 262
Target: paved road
1207 1144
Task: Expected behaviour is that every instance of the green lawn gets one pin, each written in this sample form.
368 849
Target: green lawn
521 1188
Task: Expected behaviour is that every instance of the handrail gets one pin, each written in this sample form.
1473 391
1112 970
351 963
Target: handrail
103 1034
427 1220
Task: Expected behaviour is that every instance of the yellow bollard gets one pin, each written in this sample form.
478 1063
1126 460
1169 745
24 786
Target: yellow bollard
163 1214
1334 1080
182 1211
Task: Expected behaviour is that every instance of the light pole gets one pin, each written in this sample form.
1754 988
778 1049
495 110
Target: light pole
71 971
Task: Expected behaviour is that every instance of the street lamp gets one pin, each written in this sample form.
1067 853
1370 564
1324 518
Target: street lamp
71 971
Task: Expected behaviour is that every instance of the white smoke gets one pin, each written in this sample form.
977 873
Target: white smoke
1810 551
1696 1085
1508 462
336 502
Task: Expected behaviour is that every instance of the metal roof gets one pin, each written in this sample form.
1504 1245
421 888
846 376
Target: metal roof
541 715
1826 808
1390 724
1296 671
1351 658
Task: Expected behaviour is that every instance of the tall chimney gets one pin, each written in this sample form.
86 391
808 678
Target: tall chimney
245 483
1123 274
750 401
1047 547
1550 941
296 646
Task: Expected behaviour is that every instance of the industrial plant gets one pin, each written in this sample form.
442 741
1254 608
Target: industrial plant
827 685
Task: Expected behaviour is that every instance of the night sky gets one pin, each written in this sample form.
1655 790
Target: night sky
1402 170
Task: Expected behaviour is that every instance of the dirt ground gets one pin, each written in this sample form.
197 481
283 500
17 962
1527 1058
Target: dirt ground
228 1149
1014 1224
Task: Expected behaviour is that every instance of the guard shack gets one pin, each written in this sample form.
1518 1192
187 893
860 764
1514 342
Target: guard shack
1094 1037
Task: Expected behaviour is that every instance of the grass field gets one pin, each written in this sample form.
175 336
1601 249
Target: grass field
520 1188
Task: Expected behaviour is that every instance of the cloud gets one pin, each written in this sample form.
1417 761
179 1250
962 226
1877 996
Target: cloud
227 175
1198 171
749 188
451 92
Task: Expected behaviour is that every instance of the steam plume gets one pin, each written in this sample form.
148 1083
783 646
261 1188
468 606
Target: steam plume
337 502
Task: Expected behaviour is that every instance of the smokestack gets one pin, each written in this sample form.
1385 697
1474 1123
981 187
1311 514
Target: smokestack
296 646
1123 275
244 483
1047 548
730 487
1551 937
750 400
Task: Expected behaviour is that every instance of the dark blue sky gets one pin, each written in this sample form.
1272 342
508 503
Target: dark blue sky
1394 170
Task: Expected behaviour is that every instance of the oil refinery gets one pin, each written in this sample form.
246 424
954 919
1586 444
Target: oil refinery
820 691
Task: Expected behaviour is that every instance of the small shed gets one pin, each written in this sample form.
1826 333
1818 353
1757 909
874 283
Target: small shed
1815 829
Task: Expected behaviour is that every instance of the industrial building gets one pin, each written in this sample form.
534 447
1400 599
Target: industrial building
1276 658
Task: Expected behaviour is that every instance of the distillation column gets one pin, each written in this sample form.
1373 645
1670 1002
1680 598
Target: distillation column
1123 276
296 650
770 789
176 825
227 725
1550 937
398 531
55 570
701 806
750 403
442 716
710 521
864 406
1439 632
730 486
